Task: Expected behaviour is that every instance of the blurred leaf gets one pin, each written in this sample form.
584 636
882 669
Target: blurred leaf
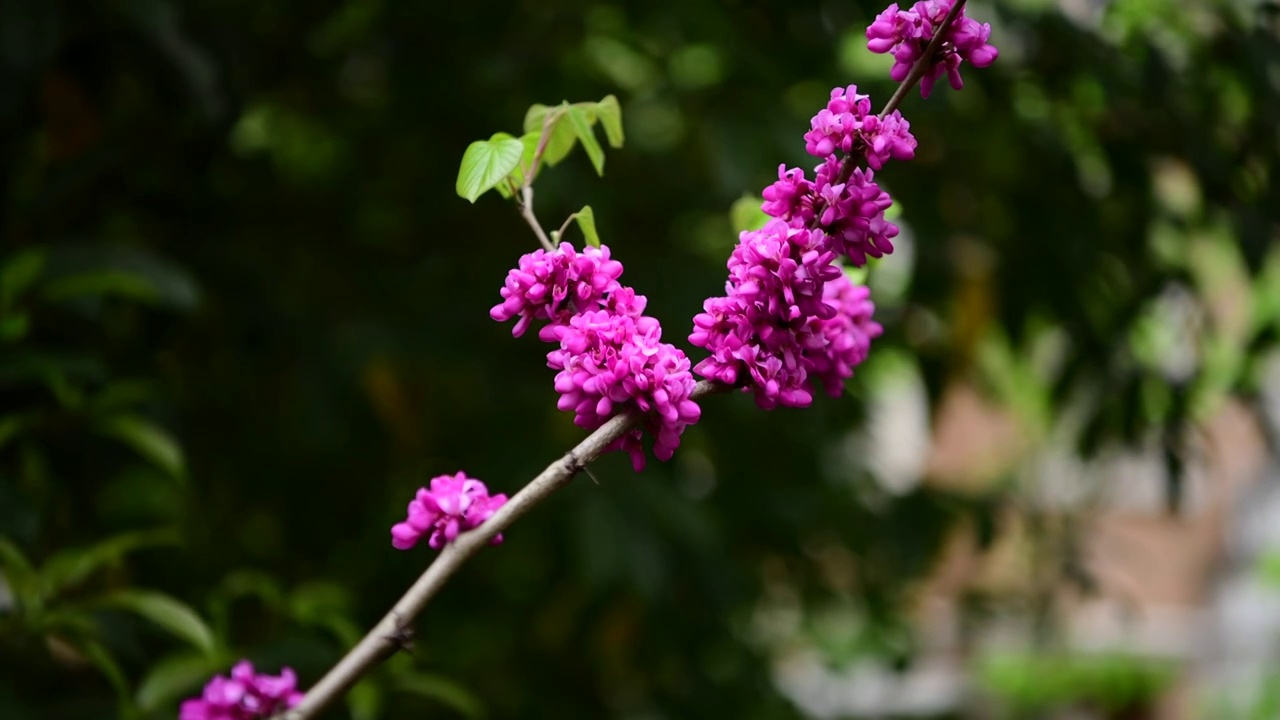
18 274
610 113
167 612
150 441
485 164
11 426
101 283
561 137
68 568
582 128
1269 568
122 394
443 690
254 583
327 605
100 657
14 327
745 214
586 220
365 700
20 575
82 271
173 678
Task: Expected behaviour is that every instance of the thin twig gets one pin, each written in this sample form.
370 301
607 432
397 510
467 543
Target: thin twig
383 639
526 212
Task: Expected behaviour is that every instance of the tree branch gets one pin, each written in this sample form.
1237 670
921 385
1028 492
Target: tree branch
382 641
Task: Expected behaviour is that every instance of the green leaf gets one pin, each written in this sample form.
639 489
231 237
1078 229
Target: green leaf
443 690
610 113
173 678
169 613
19 273
68 568
485 164
586 220
20 576
582 128
150 441
107 664
87 272
561 138
98 283
516 178
745 214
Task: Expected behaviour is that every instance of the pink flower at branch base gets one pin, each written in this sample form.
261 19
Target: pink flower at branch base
245 695
453 505
906 34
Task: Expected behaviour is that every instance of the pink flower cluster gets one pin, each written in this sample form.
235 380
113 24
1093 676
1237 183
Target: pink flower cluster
610 354
245 695
453 505
554 286
849 211
906 34
791 319
607 360
848 124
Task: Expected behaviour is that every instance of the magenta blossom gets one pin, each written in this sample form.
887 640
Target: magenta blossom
782 324
453 505
848 334
245 695
851 213
848 125
609 361
906 34
553 286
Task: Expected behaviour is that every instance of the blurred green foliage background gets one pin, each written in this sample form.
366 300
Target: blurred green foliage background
243 316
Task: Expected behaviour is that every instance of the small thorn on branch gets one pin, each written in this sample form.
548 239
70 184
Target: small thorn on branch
576 466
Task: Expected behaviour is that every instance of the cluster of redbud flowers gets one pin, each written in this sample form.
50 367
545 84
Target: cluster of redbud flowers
791 320
609 355
245 695
906 34
452 505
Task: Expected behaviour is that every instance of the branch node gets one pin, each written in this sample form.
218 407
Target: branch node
401 637
575 466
